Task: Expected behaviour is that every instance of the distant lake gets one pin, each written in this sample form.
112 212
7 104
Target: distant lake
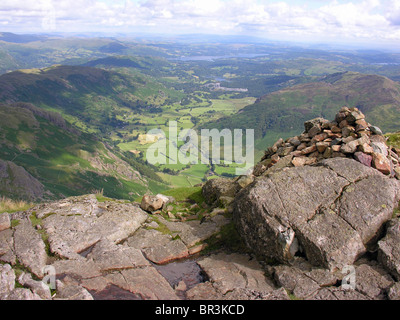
212 58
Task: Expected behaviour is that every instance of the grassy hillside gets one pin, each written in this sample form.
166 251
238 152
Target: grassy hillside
284 112
89 95
65 160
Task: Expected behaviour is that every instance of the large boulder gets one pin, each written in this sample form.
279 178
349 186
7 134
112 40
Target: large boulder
331 211
152 203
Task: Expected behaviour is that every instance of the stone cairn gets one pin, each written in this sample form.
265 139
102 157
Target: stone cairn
349 135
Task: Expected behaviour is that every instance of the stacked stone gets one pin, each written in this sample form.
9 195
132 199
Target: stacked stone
349 135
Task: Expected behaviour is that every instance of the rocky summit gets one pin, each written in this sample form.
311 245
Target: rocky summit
316 220
82 248
324 202
326 195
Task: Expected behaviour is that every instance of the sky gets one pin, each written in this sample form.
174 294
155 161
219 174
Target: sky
351 21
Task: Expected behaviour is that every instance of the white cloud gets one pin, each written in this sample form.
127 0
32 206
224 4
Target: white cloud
373 19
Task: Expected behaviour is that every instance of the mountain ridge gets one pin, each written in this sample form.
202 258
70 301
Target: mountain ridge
63 159
286 110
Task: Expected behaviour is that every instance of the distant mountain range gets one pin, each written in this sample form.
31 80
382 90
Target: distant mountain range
20 38
283 112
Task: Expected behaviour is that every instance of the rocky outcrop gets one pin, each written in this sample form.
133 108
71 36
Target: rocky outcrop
29 248
85 249
389 249
332 211
235 277
318 204
348 135
15 180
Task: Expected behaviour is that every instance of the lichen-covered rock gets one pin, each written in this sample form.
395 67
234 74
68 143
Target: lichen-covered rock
389 249
367 204
372 281
30 248
7 280
234 277
329 241
110 256
230 271
213 189
5 222
157 247
72 292
394 292
37 287
331 211
70 234
15 179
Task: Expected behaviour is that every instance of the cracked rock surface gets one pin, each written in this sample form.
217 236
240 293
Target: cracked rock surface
331 211
94 250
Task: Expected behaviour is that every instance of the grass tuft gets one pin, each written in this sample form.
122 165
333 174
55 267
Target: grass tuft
9 205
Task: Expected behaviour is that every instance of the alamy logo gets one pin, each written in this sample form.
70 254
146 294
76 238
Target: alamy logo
349 280
188 147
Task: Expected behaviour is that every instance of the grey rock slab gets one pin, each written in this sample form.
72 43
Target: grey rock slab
73 292
149 284
372 282
5 222
119 221
207 291
350 170
30 248
71 234
294 280
157 247
98 284
389 249
7 280
230 271
77 269
246 294
323 294
109 256
394 292
22 294
37 287
85 206
6 241
349 294
329 241
367 204
144 283
323 277
330 210
192 232
204 291
268 212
